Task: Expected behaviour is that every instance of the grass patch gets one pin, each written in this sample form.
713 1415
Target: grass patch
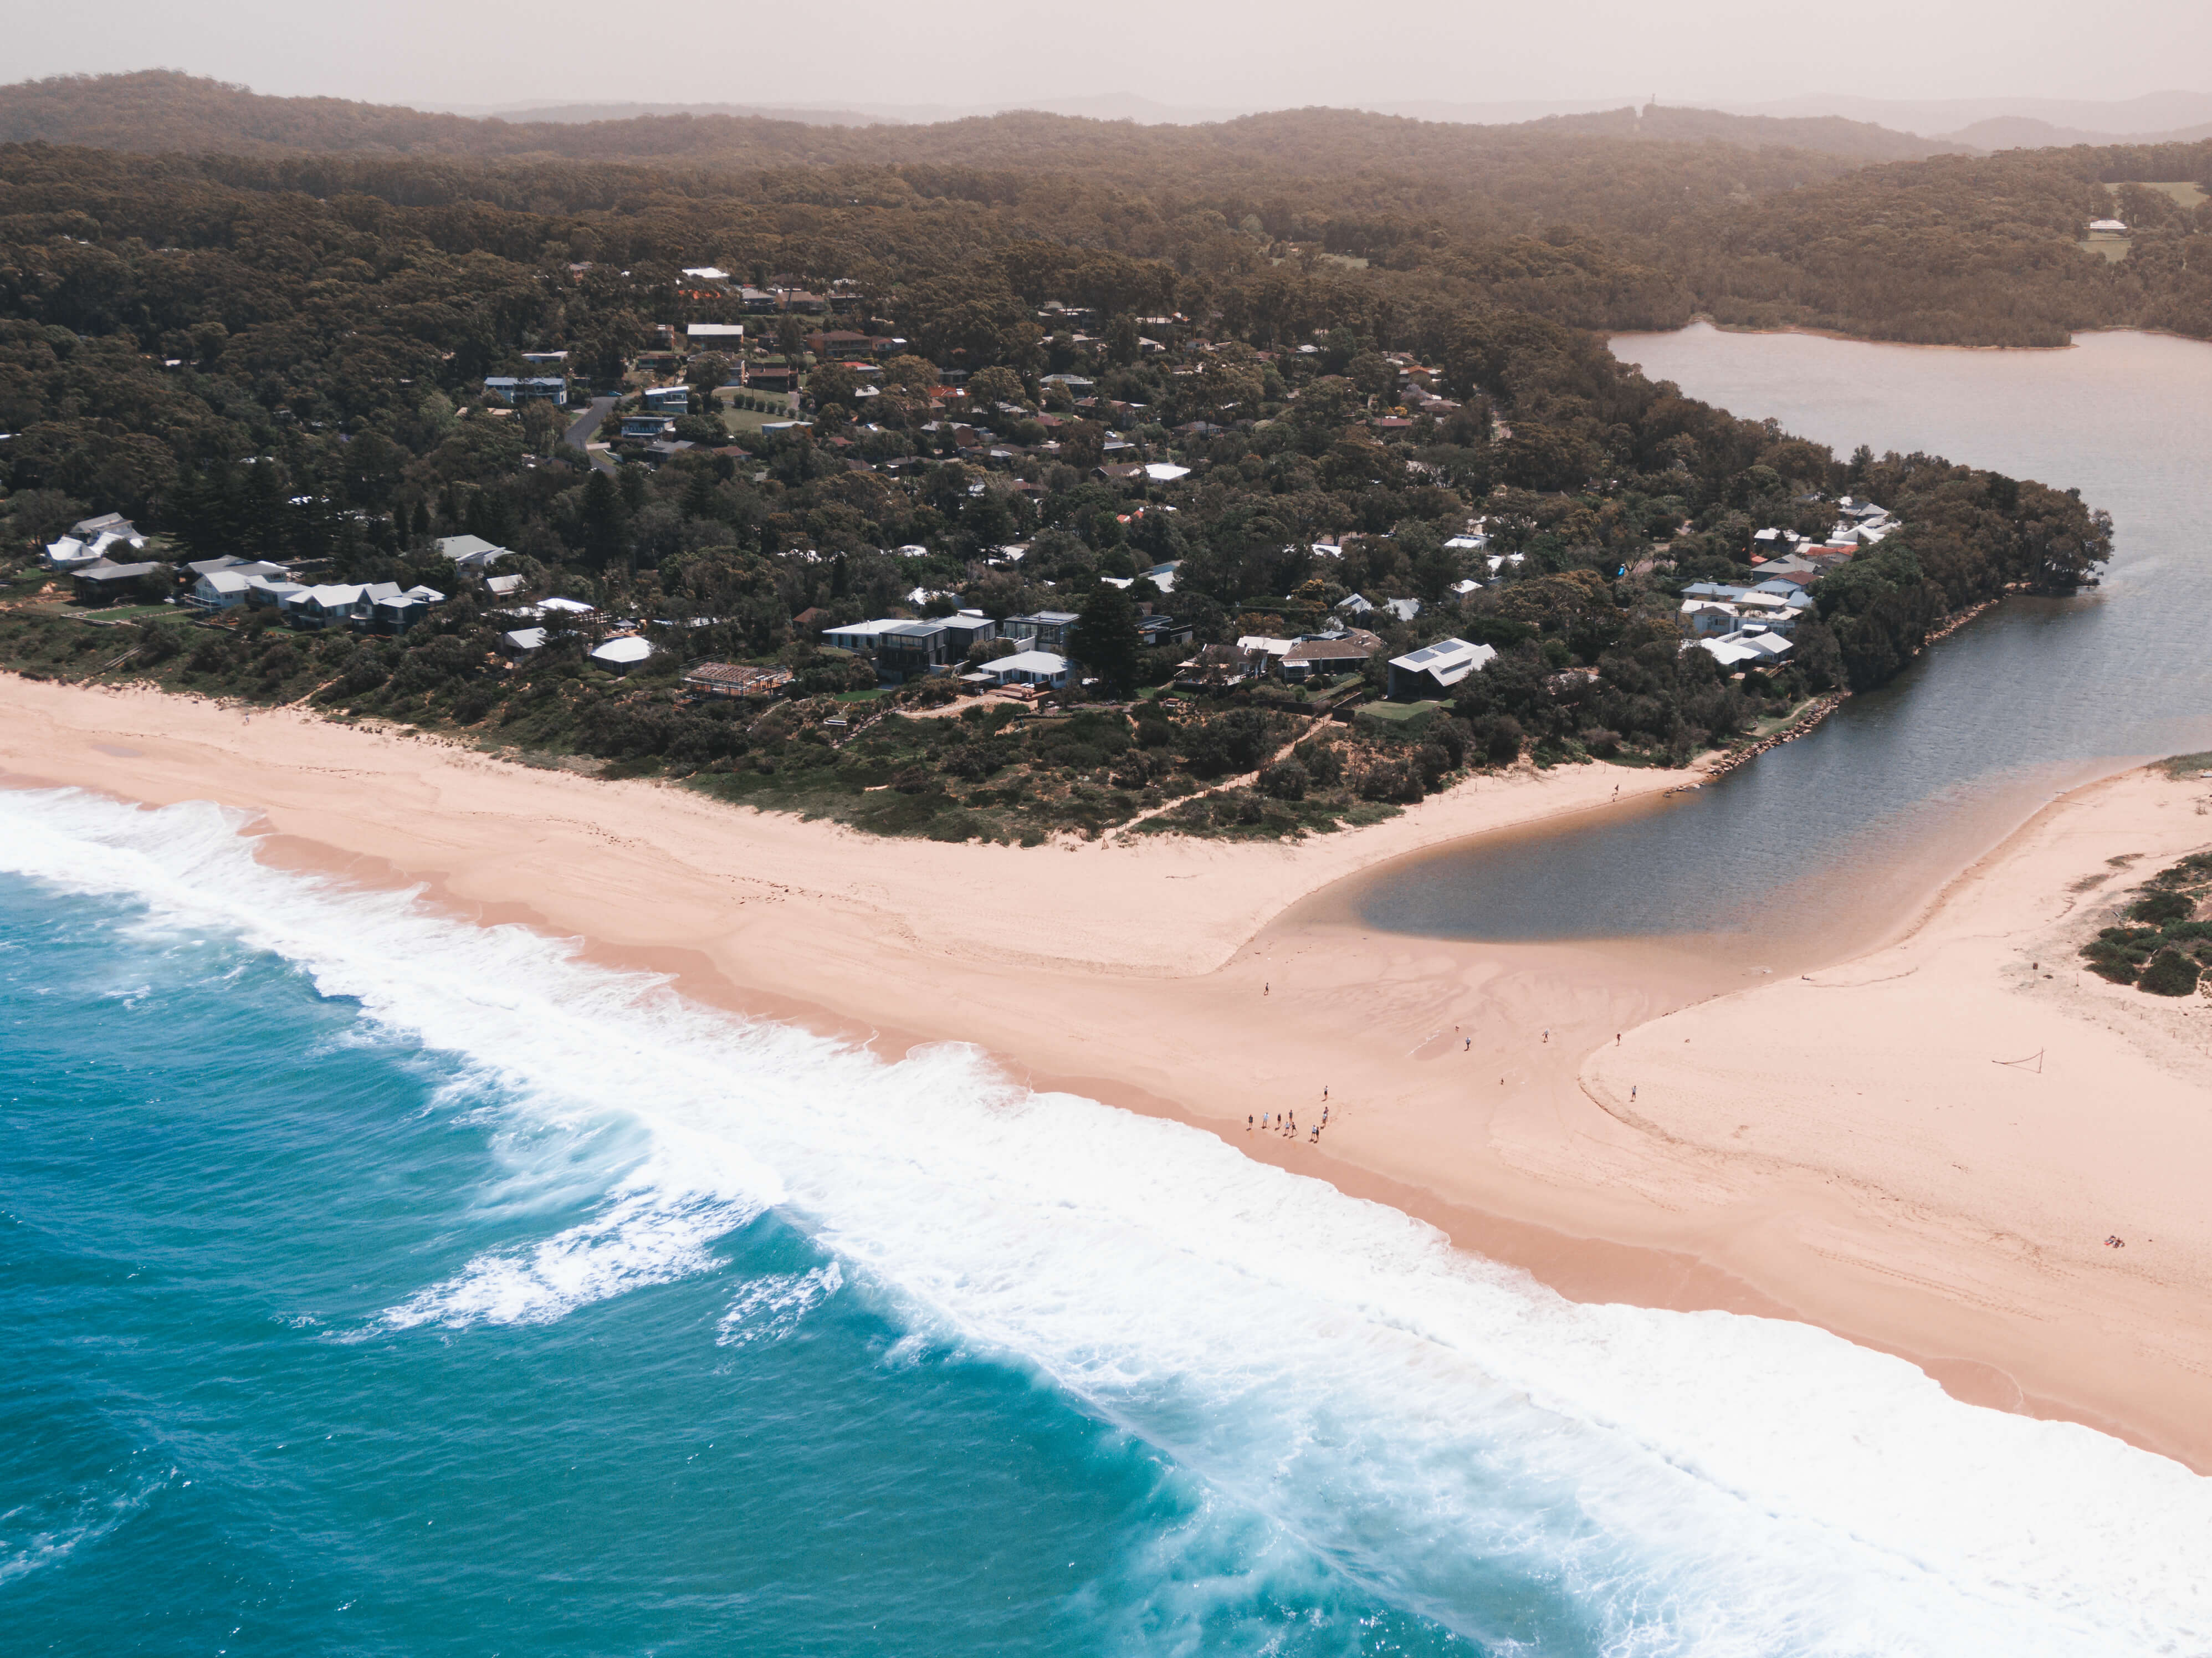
2187 765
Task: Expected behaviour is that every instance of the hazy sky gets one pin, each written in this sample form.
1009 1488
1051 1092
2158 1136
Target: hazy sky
1248 53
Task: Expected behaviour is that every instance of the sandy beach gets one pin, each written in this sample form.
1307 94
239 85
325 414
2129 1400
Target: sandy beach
1921 1149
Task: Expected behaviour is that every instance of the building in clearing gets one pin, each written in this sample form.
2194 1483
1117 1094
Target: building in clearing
1434 670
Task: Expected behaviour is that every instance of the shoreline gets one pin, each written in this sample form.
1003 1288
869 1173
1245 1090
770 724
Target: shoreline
1474 1085
2072 337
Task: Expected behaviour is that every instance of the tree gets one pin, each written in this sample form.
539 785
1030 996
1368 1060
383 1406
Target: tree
1105 639
997 384
605 523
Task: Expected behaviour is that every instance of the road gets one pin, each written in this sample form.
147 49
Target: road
578 436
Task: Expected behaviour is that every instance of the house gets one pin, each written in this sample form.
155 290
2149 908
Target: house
501 586
647 429
1162 630
319 607
1325 656
395 613
107 524
1215 667
536 388
667 399
1045 668
220 590
1702 619
108 583
714 334
623 652
472 553
522 640
1716 593
1160 471
1116 472
1434 670
858 637
1354 604
270 592
1047 630
68 554
1404 609
909 648
735 679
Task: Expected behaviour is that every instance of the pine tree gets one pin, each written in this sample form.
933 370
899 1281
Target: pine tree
1105 639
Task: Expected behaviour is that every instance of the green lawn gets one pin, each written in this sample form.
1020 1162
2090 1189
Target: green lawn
1399 713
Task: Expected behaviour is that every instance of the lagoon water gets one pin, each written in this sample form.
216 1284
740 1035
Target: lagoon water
1832 838
374 1283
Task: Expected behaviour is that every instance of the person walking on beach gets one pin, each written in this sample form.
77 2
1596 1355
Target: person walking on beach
1248 1122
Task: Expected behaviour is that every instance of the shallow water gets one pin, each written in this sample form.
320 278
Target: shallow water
1832 836
375 1284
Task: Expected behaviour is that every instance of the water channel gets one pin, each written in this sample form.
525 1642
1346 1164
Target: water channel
1839 835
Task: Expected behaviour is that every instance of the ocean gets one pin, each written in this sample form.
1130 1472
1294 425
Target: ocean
377 1284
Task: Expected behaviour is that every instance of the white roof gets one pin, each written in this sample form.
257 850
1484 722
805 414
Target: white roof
716 330
525 639
1161 471
1448 661
1044 662
431 595
1731 653
574 606
709 272
335 594
1467 544
2106 224
869 628
501 586
466 550
628 648
225 581
1262 642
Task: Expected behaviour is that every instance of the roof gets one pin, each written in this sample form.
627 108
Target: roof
714 331
473 549
115 572
525 638
1047 662
1160 471
225 581
1447 661
625 650
739 675
1329 650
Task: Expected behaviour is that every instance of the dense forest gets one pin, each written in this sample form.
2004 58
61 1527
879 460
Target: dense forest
284 358
1665 213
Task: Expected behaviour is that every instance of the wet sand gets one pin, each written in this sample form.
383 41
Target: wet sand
1482 1086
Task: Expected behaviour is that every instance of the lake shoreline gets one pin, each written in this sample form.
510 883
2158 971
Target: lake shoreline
1467 1082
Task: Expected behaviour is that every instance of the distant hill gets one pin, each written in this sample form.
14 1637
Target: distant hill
1828 135
578 114
158 110
2025 132
2119 120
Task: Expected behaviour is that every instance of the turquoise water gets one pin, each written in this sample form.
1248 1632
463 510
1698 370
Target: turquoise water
376 1284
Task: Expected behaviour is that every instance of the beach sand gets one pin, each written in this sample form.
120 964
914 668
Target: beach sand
1843 1148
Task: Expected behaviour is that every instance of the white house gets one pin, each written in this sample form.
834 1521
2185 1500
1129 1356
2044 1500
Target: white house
221 590
471 553
1027 668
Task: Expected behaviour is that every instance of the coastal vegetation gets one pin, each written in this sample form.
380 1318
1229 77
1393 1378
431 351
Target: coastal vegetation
2163 942
286 358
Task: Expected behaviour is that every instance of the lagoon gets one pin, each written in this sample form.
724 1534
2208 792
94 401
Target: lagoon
1836 840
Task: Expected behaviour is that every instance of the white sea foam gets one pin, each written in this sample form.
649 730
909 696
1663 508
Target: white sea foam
1441 1429
770 1308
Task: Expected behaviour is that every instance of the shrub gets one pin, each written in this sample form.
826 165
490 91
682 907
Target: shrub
2154 908
2170 974
1285 780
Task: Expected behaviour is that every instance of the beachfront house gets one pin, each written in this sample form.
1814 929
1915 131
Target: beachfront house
909 648
1045 630
1325 656
1035 668
1435 669
219 590
110 583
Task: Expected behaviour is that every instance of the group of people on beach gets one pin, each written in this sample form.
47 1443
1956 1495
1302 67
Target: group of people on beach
1285 1122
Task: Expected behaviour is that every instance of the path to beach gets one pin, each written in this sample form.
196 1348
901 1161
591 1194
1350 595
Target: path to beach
1841 1147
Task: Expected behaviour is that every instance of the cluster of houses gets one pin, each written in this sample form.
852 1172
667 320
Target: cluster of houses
903 649
1751 626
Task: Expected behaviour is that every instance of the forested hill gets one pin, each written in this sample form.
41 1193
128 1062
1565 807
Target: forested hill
158 110
1830 135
